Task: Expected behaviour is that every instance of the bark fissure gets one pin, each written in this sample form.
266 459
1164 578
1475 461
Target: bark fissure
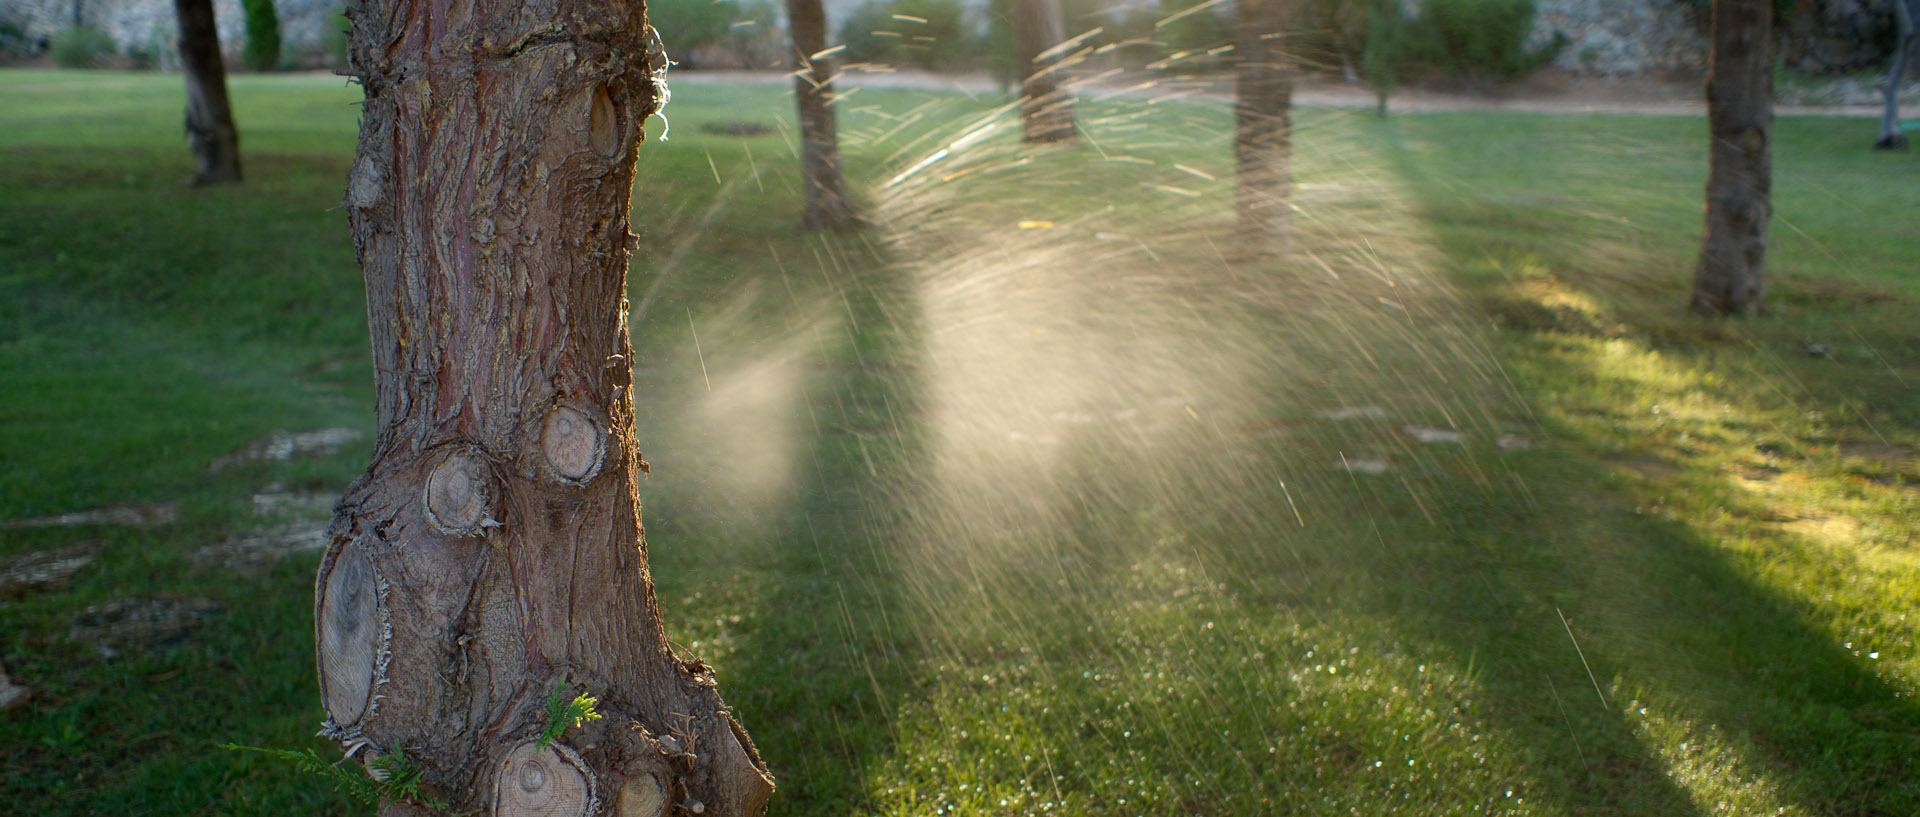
490 209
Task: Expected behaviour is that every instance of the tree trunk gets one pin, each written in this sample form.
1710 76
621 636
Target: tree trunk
1904 12
828 207
1262 136
1731 275
1046 111
210 132
492 556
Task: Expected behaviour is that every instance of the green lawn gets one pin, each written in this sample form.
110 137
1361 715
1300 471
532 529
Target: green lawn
1027 501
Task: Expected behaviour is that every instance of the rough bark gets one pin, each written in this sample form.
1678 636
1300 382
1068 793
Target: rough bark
1904 12
1731 275
828 207
210 131
1263 130
492 554
1046 110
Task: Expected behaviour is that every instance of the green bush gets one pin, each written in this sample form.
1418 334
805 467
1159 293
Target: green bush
1384 53
263 35
1781 8
892 33
14 42
1481 39
756 38
333 39
1195 32
1129 28
688 24
1002 64
81 47
142 57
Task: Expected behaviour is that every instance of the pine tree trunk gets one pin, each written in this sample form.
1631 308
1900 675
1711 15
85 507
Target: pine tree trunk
1046 111
210 132
492 556
828 207
1731 276
1262 137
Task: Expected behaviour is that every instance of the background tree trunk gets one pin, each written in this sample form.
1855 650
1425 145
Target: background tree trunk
1046 111
1262 136
828 207
1732 272
492 556
1904 12
210 132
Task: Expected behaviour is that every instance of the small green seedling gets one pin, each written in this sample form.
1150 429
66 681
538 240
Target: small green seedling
561 712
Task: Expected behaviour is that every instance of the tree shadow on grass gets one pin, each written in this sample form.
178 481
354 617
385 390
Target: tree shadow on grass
776 495
1733 687
1671 664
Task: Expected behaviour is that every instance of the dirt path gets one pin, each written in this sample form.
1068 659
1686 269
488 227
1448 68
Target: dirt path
1553 94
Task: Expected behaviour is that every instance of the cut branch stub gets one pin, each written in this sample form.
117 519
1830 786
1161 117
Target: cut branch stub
364 185
641 797
349 623
573 444
458 493
603 124
544 782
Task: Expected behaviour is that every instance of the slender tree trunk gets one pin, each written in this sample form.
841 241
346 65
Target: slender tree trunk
1263 130
1904 12
1732 272
210 132
491 556
1046 111
828 207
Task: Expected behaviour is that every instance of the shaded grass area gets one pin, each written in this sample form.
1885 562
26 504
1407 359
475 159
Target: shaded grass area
1026 501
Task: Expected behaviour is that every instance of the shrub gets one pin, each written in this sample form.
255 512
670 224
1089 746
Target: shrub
1188 30
1002 64
14 42
927 34
142 57
333 39
1481 39
81 47
1384 52
755 39
685 25
263 35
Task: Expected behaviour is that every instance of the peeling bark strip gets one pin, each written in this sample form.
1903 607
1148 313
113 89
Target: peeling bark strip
492 552
1263 132
1731 276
